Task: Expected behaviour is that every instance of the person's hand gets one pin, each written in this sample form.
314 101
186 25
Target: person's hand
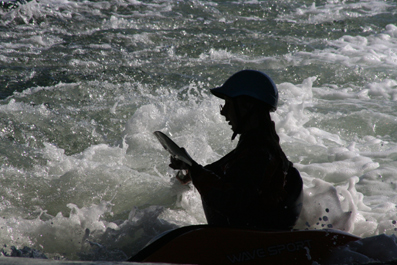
182 174
178 164
183 177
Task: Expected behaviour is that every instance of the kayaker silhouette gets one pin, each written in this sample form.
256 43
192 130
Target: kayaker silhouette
255 185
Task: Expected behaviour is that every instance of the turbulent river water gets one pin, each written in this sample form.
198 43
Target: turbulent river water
83 84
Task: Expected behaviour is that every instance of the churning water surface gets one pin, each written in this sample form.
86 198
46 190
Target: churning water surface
83 84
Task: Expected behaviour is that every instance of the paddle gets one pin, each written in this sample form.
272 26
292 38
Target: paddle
175 151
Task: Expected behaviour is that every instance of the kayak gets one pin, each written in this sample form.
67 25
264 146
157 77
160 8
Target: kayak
204 244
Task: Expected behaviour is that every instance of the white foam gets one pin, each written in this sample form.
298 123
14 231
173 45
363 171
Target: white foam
334 11
100 173
17 108
369 52
385 89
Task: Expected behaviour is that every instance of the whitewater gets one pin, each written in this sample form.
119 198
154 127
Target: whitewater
84 84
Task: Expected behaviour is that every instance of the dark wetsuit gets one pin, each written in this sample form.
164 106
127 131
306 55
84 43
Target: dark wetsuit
248 188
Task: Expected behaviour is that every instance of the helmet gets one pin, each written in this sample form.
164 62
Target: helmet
249 83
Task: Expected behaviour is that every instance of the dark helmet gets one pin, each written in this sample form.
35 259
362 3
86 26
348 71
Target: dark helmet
249 83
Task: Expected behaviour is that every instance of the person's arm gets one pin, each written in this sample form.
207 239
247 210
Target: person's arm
203 178
206 180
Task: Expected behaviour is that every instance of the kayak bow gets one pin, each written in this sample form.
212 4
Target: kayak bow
203 244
